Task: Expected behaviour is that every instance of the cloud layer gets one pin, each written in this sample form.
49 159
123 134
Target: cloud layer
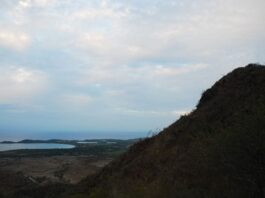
114 65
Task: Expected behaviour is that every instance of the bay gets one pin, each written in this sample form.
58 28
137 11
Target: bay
18 146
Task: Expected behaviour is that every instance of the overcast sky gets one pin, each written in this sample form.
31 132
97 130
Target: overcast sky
115 65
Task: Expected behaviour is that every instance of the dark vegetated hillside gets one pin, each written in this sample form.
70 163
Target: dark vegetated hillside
10 181
17 185
218 150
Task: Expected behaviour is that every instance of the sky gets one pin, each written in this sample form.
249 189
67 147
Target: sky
114 66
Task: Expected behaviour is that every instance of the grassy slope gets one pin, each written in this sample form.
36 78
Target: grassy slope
216 151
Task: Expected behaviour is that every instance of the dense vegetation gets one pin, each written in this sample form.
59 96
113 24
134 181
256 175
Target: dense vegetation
218 150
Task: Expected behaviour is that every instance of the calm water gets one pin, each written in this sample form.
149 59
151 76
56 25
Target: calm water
16 146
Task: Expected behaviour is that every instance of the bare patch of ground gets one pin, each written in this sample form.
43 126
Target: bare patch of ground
63 169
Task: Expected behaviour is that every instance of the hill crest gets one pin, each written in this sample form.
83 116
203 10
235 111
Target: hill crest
218 150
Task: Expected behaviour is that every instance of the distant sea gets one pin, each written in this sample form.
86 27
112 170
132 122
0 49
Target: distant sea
17 136
18 146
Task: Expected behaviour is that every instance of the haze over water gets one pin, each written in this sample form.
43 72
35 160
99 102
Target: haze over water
18 146
71 135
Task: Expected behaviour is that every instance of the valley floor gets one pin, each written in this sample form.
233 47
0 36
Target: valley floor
51 169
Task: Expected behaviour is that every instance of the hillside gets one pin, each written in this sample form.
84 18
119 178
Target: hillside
218 150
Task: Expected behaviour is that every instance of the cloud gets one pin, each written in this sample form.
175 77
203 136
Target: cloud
14 40
18 85
123 60
163 71
25 3
130 75
102 12
93 43
176 113
194 31
76 101
38 3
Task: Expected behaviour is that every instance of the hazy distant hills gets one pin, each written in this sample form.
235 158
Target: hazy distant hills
218 150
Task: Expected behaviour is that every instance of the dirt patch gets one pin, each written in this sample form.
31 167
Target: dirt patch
63 169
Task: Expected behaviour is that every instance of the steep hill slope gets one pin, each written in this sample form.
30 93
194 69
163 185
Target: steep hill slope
218 150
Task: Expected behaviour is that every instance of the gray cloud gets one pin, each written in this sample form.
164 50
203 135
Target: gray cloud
84 62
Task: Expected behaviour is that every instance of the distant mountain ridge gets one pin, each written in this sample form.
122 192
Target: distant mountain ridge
218 150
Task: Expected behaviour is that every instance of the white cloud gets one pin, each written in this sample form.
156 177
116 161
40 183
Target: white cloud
14 40
97 13
152 112
75 101
125 75
21 76
135 54
44 3
25 3
18 84
202 33
163 71
94 43
40 3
